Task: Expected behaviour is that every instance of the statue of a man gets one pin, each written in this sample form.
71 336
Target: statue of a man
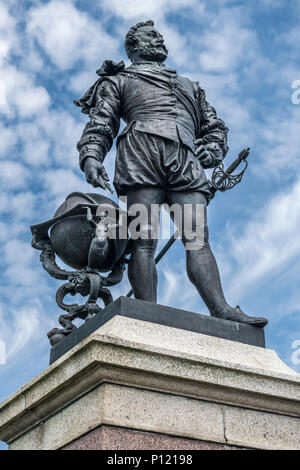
172 134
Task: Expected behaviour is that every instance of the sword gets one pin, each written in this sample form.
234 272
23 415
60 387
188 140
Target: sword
221 180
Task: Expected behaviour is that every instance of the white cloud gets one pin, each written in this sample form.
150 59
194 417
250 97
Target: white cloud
20 205
179 51
280 145
4 231
50 139
273 3
32 60
13 175
68 34
8 38
16 251
81 81
32 101
269 241
291 37
8 139
59 183
63 131
20 329
20 94
175 289
35 152
226 43
135 9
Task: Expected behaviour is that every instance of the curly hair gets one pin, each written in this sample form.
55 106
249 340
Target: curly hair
130 39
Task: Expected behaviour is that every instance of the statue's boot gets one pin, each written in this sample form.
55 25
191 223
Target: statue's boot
236 314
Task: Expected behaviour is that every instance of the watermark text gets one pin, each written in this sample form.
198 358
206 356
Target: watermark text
296 353
296 94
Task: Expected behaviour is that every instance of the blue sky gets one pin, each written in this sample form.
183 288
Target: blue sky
246 56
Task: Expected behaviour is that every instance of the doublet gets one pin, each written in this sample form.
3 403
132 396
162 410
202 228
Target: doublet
153 100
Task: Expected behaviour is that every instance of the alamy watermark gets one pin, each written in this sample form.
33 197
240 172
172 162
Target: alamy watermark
2 353
296 95
296 354
143 222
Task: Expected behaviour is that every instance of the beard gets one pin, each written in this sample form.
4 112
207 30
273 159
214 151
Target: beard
153 53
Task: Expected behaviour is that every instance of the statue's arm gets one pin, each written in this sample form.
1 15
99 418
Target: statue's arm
97 137
212 140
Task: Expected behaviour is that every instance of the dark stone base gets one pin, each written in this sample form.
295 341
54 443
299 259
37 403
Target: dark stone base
115 438
168 316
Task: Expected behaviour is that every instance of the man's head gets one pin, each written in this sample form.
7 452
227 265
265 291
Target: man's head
144 42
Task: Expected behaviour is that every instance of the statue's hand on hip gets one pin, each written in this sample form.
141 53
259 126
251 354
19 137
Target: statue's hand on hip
96 175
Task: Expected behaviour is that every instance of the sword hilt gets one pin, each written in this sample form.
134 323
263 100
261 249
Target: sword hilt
223 180
243 155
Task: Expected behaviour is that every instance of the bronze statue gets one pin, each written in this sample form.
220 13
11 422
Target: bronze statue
172 134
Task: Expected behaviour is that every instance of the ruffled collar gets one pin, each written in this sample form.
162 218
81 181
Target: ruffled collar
150 65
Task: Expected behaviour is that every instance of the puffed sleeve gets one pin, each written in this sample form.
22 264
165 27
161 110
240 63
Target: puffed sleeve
213 130
103 126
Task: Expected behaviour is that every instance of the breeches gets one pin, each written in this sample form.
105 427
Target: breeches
147 160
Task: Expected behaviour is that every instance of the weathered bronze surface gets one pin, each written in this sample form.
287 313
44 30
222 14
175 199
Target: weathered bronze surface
172 134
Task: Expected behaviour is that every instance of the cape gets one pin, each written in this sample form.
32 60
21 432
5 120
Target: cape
108 68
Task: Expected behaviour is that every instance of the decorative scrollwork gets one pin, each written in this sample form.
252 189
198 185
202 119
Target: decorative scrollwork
57 334
87 281
84 282
98 253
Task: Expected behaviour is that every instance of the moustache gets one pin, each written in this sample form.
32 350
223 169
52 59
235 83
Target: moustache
157 45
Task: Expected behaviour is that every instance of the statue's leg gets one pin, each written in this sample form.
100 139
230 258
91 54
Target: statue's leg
142 271
202 268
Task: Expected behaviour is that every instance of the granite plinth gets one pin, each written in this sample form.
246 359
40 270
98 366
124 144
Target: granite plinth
116 438
162 315
149 378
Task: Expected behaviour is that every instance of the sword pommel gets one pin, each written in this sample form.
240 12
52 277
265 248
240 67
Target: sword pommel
244 154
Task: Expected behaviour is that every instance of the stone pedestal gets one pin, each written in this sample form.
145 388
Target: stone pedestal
133 384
